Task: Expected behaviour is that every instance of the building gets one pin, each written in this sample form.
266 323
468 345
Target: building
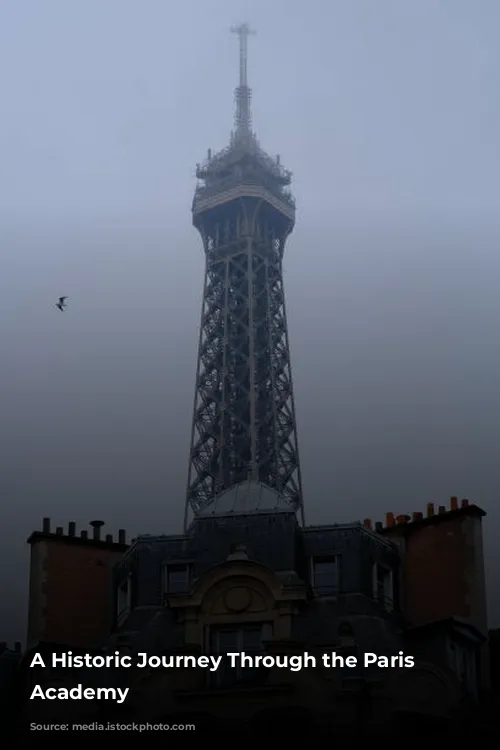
259 582
247 574
242 581
447 549
76 570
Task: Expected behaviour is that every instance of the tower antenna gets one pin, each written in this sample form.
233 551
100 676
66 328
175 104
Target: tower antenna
243 93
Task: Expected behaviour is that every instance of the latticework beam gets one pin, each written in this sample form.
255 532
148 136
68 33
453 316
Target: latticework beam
244 417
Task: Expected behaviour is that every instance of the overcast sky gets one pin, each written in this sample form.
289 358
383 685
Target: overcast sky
388 115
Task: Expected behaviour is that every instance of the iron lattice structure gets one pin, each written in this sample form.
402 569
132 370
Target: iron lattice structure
244 425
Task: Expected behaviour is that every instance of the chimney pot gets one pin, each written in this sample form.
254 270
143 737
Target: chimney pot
96 525
465 503
46 525
441 510
71 528
59 531
379 526
109 538
389 519
453 503
417 516
84 534
367 523
122 536
430 510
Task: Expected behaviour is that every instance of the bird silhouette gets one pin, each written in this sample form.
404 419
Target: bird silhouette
62 303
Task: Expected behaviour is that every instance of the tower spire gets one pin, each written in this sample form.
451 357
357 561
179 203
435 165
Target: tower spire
243 93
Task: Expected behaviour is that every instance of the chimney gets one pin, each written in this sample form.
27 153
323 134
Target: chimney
367 523
97 529
441 510
465 503
122 536
401 519
389 519
453 503
84 534
109 538
59 531
46 525
379 527
417 516
71 528
430 510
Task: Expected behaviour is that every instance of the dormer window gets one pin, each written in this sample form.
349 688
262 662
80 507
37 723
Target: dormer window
325 575
177 579
383 586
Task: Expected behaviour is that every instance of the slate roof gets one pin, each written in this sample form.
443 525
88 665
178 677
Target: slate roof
247 497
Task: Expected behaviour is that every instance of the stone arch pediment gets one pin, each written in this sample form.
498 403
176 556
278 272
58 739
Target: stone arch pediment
238 591
262 578
237 594
236 588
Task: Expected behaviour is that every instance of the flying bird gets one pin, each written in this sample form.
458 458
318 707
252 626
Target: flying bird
62 303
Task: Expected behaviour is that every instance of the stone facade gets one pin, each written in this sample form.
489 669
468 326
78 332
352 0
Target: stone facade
258 582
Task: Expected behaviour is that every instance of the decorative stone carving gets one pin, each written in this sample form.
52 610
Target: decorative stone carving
238 599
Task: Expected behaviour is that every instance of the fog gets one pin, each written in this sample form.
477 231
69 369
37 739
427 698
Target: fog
388 115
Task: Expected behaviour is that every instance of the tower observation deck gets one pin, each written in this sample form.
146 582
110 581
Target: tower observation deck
244 451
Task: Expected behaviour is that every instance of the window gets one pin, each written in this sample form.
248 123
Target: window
176 579
225 640
325 575
383 586
123 602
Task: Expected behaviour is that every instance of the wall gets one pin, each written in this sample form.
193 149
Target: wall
443 572
443 567
272 539
71 589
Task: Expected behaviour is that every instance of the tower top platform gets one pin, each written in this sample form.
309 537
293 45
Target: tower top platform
243 168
